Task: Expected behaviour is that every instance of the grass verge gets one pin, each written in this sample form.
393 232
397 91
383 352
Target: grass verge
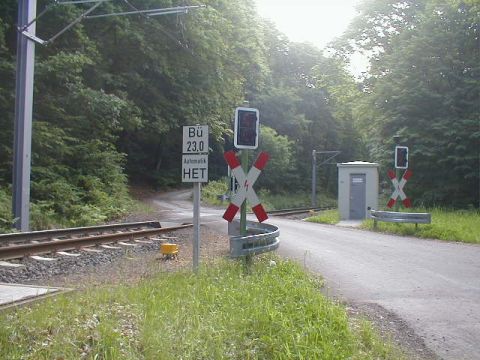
326 217
450 225
273 312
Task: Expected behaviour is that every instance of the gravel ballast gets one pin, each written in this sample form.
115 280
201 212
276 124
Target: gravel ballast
115 265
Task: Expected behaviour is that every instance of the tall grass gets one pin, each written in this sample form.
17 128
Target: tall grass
273 312
451 225
326 217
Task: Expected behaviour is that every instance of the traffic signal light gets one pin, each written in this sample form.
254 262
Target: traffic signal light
401 157
246 128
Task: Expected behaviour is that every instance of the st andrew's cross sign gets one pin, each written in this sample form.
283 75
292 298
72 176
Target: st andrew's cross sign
398 186
245 189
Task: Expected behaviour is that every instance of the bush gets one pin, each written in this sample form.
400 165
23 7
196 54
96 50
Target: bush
212 189
6 218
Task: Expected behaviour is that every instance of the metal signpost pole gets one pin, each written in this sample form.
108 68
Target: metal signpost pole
243 209
196 225
246 128
397 204
23 115
195 170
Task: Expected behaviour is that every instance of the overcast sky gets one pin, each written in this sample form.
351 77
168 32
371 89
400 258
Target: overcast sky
315 21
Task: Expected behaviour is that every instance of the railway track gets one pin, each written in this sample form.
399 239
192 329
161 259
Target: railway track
69 242
64 241
294 211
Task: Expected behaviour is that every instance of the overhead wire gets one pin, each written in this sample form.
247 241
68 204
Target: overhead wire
181 24
165 32
183 46
172 37
175 39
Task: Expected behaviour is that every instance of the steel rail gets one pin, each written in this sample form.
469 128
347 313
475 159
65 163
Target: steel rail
19 251
56 233
294 211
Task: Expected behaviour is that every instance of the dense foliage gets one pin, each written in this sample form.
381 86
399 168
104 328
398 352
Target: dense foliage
424 85
111 95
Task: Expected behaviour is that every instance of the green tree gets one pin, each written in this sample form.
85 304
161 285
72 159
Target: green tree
280 165
111 95
424 86
308 101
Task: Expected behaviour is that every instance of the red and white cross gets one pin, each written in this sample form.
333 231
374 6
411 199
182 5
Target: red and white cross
245 189
398 186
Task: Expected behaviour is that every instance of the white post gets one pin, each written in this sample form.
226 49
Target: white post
196 225
314 178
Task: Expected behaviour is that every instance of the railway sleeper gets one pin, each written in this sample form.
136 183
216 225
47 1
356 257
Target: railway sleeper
126 244
110 247
10 265
42 258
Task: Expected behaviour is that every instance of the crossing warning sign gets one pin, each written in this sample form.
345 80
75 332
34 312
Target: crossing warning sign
245 188
398 186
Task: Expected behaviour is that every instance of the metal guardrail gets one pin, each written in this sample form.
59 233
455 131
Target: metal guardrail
400 217
261 238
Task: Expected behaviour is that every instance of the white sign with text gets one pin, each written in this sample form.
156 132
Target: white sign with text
194 168
195 154
195 139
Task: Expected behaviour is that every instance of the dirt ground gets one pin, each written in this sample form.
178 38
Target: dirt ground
132 268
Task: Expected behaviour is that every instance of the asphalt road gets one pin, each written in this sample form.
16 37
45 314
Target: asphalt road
433 286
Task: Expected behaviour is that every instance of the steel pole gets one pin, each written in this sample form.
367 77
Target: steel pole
23 115
196 225
243 208
396 139
243 212
314 178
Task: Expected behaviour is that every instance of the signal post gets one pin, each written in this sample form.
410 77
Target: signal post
401 163
246 129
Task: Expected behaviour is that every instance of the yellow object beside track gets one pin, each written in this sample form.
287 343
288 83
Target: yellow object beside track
169 250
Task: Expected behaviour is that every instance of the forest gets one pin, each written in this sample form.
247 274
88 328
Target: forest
112 94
